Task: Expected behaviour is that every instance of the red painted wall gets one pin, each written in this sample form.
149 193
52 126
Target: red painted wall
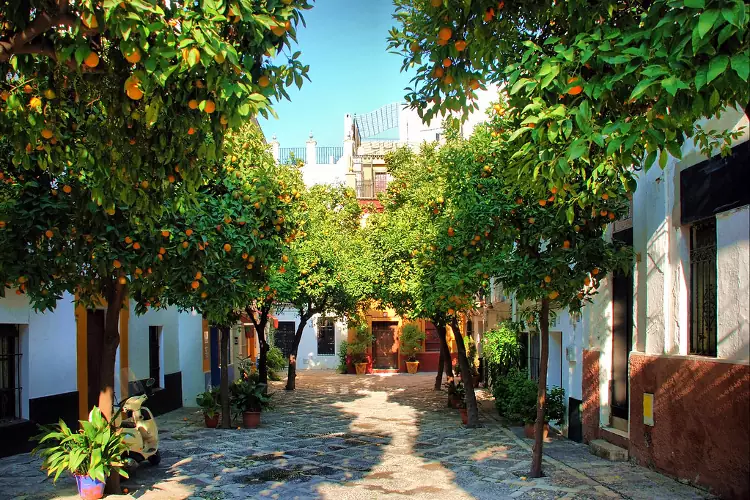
701 426
590 395
428 362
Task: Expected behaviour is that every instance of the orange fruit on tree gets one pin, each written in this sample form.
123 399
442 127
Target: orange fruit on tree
67 189
185 244
414 47
448 80
442 42
209 107
133 57
531 220
198 275
219 58
162 250
264 81
122 280
553 190
438 73
48 233
191 131
576 89
134 93
195 285
445 33
35 102
553 294
605 196
595 271
451 231
547 279
165 233
188 232
278 30
47 133
136 246
116 263
204 295
473 84
4 95
587 281
542 203
611 216
27 89
489 15
92 60
227 247
192 104
436 3
447 62
460 45
566 244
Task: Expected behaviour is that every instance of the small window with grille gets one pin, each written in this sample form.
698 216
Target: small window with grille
703 288
10 373
326 338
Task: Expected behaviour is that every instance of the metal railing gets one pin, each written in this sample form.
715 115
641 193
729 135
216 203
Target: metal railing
286 155
328 154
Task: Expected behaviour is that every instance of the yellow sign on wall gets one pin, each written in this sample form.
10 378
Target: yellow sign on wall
648 409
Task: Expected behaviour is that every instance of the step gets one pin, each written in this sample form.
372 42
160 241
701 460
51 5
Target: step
608 451
615 436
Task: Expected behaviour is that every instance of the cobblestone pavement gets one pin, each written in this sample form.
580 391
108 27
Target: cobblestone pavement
371 437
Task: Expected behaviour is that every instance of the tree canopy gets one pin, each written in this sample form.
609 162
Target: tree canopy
136 95
597 85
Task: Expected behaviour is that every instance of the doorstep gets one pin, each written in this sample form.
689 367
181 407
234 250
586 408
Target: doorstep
615 436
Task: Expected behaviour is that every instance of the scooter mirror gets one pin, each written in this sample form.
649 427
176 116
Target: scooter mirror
150 382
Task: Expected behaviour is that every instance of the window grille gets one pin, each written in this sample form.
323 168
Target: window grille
326 338
432 341
284 337
10 373
703 288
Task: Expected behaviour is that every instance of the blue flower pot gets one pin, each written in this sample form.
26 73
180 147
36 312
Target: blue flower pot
89 488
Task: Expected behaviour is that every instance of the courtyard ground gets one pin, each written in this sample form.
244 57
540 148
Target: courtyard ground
371 437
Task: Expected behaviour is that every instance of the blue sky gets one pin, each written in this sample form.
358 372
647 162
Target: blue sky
351 71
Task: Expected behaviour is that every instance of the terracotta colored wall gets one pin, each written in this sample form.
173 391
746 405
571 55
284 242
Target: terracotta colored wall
701 426
590 395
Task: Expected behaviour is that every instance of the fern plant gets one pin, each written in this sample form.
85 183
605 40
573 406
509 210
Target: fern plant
95 450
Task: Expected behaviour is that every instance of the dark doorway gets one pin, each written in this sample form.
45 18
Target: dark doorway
622 332
154 354
535 355
385 347
215 368
94 345
283 337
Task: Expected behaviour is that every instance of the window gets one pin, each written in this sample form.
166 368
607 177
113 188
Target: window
10 370
326 338
432 341
154 354
381 182
284 337
703 288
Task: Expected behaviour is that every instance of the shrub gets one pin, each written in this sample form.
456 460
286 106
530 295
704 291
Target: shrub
209 402
412 339
515 398
362 341
275 361
501 350
343 349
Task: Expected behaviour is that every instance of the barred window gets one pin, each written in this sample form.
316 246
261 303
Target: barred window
432 341
703 288
326 338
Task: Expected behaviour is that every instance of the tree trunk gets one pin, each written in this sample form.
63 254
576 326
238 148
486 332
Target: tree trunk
446 356
115 293
226 416
292 371
439 376
263 345
466 377
536 459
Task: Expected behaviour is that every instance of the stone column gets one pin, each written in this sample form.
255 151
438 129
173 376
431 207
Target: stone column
311 151
275 148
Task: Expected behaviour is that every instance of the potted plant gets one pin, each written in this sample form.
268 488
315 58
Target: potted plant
473 357
463 411
456 394
90 454
249 398
358 349
209 403
520 394
412 339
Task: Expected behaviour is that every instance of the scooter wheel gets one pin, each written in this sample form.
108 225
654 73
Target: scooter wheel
154 459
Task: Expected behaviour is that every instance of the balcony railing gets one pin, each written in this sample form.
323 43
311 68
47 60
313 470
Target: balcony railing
369 190
328 154
286 154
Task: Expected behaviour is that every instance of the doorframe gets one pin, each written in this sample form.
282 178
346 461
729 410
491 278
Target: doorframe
397 354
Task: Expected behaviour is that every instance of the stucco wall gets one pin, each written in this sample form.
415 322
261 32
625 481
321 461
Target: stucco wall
139 342
701 419
733 289
191 356
307 355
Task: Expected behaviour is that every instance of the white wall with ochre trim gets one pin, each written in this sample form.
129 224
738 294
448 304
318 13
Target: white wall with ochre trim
307 355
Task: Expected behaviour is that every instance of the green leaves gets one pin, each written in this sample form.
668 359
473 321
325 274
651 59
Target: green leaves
706 21
672 84
741 65
716 67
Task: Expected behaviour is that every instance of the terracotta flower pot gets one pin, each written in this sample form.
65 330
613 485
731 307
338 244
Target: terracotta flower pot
411 366
251 419
454 401
464 415
361 368
528 431
211 422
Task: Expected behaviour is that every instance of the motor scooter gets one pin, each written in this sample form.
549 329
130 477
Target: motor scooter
137 425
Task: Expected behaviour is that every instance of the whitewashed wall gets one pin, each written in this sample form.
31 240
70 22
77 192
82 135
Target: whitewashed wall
191 356
48 346
307 355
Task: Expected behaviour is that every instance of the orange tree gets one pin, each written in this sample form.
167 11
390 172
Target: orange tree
597 83
550 250
137 94
322 271
218 250
414 241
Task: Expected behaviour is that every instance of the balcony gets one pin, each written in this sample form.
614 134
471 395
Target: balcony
370 189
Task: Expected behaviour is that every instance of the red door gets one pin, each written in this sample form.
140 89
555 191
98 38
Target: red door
385 345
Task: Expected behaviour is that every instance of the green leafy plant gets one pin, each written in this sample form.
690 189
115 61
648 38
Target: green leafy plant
412 339
343 350
501 349
460 393
208 401
249 395
515 398
276 361
95 450
363 339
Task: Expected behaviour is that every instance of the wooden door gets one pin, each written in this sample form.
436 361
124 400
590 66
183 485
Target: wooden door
94 346
385 345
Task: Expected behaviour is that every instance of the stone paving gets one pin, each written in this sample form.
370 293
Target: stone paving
370 437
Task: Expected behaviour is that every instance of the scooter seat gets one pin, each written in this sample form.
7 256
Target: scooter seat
128 425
